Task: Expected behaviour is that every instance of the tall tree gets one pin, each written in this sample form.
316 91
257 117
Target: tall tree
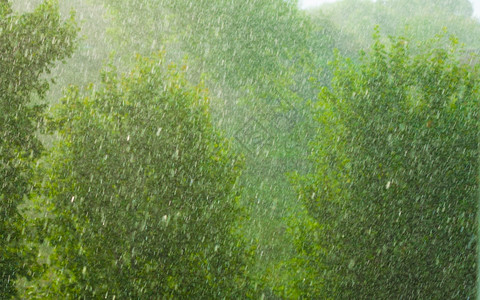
30 44
393 198
143 192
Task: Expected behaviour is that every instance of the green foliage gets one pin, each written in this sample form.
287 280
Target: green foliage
236 42
257 55
257 58
140 195
30 44
395 186
143 192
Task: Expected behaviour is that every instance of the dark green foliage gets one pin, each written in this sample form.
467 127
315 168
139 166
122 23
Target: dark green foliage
29 46
393 197
143 192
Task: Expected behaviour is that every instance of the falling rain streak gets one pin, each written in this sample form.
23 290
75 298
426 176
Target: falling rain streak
239 149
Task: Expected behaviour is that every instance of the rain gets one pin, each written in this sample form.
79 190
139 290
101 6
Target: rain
241 149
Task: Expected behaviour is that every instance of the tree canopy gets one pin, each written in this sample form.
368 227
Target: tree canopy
30 44
394 194
143 191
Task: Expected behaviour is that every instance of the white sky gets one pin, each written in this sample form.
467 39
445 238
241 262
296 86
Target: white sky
313 3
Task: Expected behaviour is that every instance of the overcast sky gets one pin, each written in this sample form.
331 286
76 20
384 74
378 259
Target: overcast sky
313 3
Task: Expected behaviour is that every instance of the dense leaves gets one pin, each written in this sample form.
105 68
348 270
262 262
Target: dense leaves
144 192
29 46
394 192
257 58
133 192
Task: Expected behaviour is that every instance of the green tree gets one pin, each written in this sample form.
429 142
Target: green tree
392 201
143 192
30 44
